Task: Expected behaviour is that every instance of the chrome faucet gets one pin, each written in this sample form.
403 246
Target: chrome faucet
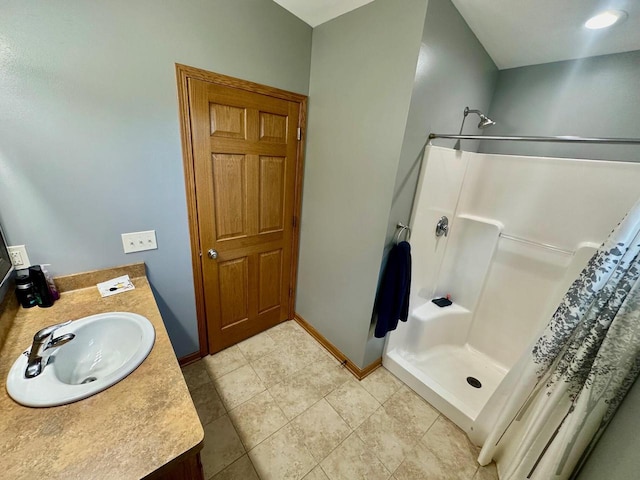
42 342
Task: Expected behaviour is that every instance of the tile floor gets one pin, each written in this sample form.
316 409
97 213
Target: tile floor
278 406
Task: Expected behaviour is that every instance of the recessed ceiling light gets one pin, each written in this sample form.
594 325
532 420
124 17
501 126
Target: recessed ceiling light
605 19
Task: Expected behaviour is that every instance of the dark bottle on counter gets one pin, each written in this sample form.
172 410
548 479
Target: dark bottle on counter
24 291
40 286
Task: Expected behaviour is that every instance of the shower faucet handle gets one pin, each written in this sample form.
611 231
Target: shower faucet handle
442 227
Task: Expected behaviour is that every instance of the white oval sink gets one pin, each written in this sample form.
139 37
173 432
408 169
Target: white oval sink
107 347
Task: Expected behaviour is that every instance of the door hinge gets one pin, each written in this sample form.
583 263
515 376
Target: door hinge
200 253
295 222
290 291
299 133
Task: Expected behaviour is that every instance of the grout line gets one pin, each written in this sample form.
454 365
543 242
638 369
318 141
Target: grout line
243 448
235 426
265 354
221 403
276 403
241 353
230 371
323 470
311 406
245 454
430 426
274 433
264 440
292 375
344 419
219 390
374 450
352 432
289 422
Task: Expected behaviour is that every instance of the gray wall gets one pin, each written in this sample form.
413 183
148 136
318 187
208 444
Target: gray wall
593 97
89 135
453 71
362 69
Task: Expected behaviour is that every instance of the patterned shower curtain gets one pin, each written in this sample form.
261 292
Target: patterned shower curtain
579 369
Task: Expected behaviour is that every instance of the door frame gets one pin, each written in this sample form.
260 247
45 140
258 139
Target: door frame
183 74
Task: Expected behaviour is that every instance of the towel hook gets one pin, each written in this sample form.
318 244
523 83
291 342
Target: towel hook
402 228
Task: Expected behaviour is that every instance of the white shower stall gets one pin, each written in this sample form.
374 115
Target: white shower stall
520 231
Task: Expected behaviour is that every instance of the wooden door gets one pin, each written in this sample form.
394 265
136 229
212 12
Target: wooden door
245 155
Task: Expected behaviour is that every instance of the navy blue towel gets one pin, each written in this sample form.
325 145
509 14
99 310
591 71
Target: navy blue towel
392 303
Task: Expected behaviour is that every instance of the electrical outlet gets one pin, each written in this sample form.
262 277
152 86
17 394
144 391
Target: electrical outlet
139 241
19 257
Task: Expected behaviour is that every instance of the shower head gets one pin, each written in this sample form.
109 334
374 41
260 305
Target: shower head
484 120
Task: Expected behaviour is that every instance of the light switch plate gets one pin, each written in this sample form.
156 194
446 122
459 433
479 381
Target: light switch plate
19 257
139 241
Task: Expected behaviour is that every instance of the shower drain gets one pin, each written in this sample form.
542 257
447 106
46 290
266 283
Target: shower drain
474 382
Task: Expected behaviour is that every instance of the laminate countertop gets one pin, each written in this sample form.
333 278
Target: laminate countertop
142 424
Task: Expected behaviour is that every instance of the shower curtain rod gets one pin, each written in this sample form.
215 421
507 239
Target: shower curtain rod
566 139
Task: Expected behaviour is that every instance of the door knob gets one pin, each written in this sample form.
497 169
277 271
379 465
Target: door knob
212 254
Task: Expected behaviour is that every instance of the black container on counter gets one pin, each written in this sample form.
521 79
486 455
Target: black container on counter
24 291
40 286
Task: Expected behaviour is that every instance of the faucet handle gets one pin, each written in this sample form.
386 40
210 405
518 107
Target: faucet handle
46 332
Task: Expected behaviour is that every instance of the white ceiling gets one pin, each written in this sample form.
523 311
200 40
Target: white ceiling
315 12
527 32
518 32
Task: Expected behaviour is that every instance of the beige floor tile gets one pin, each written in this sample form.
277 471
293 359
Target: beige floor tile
195 375
224 362
353 403
241 469
222 446
277 366
316 474
238 386
387 437
282 456
306 347
290 336
322 429
489 472
381 384
257 418
208 403
443 453
257 346
351 460
327 375
283 331
411 411
310 354
295 394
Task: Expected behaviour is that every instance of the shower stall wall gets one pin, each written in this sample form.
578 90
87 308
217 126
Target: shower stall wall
521 230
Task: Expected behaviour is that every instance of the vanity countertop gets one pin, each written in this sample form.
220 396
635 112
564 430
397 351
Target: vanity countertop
128 431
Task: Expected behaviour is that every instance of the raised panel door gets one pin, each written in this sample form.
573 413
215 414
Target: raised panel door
245 159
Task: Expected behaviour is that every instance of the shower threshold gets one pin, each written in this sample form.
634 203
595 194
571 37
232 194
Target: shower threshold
440 377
